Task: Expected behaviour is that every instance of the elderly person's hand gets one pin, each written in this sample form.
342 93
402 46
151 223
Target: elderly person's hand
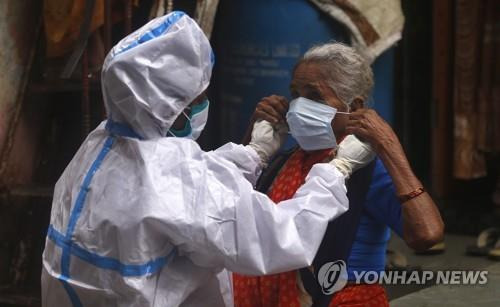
370 127
422 223
272 108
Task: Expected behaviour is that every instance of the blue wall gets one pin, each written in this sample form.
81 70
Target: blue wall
258 42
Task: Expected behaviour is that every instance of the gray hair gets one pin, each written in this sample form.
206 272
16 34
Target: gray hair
346 72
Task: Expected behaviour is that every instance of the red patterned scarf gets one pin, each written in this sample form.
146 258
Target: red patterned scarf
278 290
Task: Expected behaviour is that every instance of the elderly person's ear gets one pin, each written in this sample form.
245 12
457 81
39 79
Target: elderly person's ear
357 103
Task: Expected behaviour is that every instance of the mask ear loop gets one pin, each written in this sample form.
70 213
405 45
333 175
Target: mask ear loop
187 118
346 113
348 109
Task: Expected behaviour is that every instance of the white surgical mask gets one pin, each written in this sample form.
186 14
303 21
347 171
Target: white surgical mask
310 124
195 122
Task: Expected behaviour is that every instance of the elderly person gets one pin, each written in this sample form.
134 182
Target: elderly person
330 86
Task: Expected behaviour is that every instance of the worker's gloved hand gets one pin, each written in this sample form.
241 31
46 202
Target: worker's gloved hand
267 140
352 154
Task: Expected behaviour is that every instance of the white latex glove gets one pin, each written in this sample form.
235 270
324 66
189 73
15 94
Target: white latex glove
267 140
352 154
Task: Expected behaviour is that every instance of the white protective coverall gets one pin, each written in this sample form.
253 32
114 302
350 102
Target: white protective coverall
140 219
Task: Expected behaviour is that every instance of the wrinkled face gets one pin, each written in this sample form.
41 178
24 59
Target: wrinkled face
180 122
309 82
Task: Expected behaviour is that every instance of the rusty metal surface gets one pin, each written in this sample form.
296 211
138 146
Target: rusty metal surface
19 25
16 35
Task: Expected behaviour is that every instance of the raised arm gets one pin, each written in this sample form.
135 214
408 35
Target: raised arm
229 224
422 223
272 109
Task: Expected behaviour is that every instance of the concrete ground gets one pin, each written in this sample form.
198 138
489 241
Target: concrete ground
454 258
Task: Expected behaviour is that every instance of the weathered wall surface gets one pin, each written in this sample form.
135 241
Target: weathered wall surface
19 22
19 140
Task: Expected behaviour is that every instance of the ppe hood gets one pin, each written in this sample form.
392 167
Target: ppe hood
151 75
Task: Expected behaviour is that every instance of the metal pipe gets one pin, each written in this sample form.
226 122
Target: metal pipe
85 95
128 16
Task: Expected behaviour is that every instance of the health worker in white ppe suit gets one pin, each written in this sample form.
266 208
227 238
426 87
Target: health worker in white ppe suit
143 217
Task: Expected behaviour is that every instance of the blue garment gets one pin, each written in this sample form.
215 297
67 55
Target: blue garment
381 212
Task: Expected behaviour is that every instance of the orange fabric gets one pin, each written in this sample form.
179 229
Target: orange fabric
278 290
362 295
62 21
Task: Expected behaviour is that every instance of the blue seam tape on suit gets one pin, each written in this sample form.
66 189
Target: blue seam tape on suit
155 32
80 200
75 214
70 248
109 263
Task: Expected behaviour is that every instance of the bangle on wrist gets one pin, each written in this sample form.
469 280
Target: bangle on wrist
406 197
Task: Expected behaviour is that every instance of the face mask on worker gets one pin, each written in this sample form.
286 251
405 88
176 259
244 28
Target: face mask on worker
195 122
310 124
